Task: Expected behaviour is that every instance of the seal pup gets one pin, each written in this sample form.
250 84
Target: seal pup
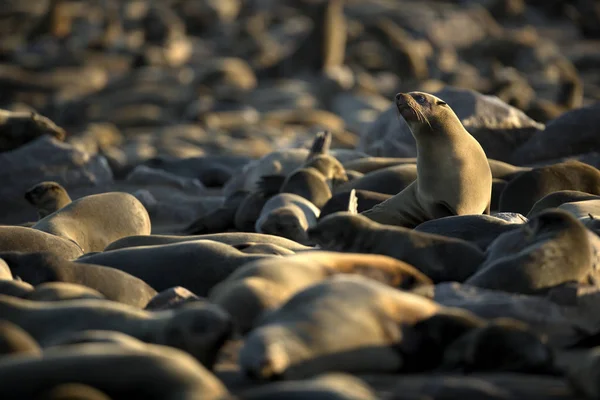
47 197
200 328
196 265
28 240
439 257
301 338
154 372
550 249
289 216
556 199
231 238
115 285
454 176
93 222
264 285
527 188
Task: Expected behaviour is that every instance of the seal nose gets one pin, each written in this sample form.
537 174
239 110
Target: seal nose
400 99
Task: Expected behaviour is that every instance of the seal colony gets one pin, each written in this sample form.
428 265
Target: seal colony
209 200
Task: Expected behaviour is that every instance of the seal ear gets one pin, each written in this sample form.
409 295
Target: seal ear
321 144
441 103
270 185
353 202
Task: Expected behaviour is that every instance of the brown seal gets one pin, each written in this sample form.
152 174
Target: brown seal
263 285
19 238
454 176
552 248
439 257
200 328
302 337
288 215
93 222
47 197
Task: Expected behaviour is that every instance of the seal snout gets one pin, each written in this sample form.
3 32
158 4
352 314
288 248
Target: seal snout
404 103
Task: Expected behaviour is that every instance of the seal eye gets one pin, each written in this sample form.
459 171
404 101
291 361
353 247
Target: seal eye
420 99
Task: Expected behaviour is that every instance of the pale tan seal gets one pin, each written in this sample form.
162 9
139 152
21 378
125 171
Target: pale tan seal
93 222
345 324
47 197
454 176
439 257
264 285
19 238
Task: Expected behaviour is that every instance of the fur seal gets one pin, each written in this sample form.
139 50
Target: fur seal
365 198
454 176
301 338
199 328
15 288
263 248
556 199
18 238
94 221
171 298
289 216
505 345
332 386
439 257
47 197
583 209
527 188
369 164
196 265
5 273
73 391
115 285
231 238
388 181
481 230
14 340
61 291
154 372
264 285
551 249
220 219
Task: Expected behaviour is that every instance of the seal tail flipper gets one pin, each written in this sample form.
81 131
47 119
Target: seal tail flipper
353 202
270 185
320 145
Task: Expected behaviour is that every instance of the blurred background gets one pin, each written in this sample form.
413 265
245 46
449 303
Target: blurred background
133 80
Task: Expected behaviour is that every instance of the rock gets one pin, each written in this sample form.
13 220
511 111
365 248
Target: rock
45 159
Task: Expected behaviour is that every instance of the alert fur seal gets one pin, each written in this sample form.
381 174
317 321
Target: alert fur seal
115 285
47 197
94 221
264 285
200 328
454 176
551 249
439 257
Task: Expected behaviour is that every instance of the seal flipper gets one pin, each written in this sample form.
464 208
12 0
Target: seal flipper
353 202
270 185
320 145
